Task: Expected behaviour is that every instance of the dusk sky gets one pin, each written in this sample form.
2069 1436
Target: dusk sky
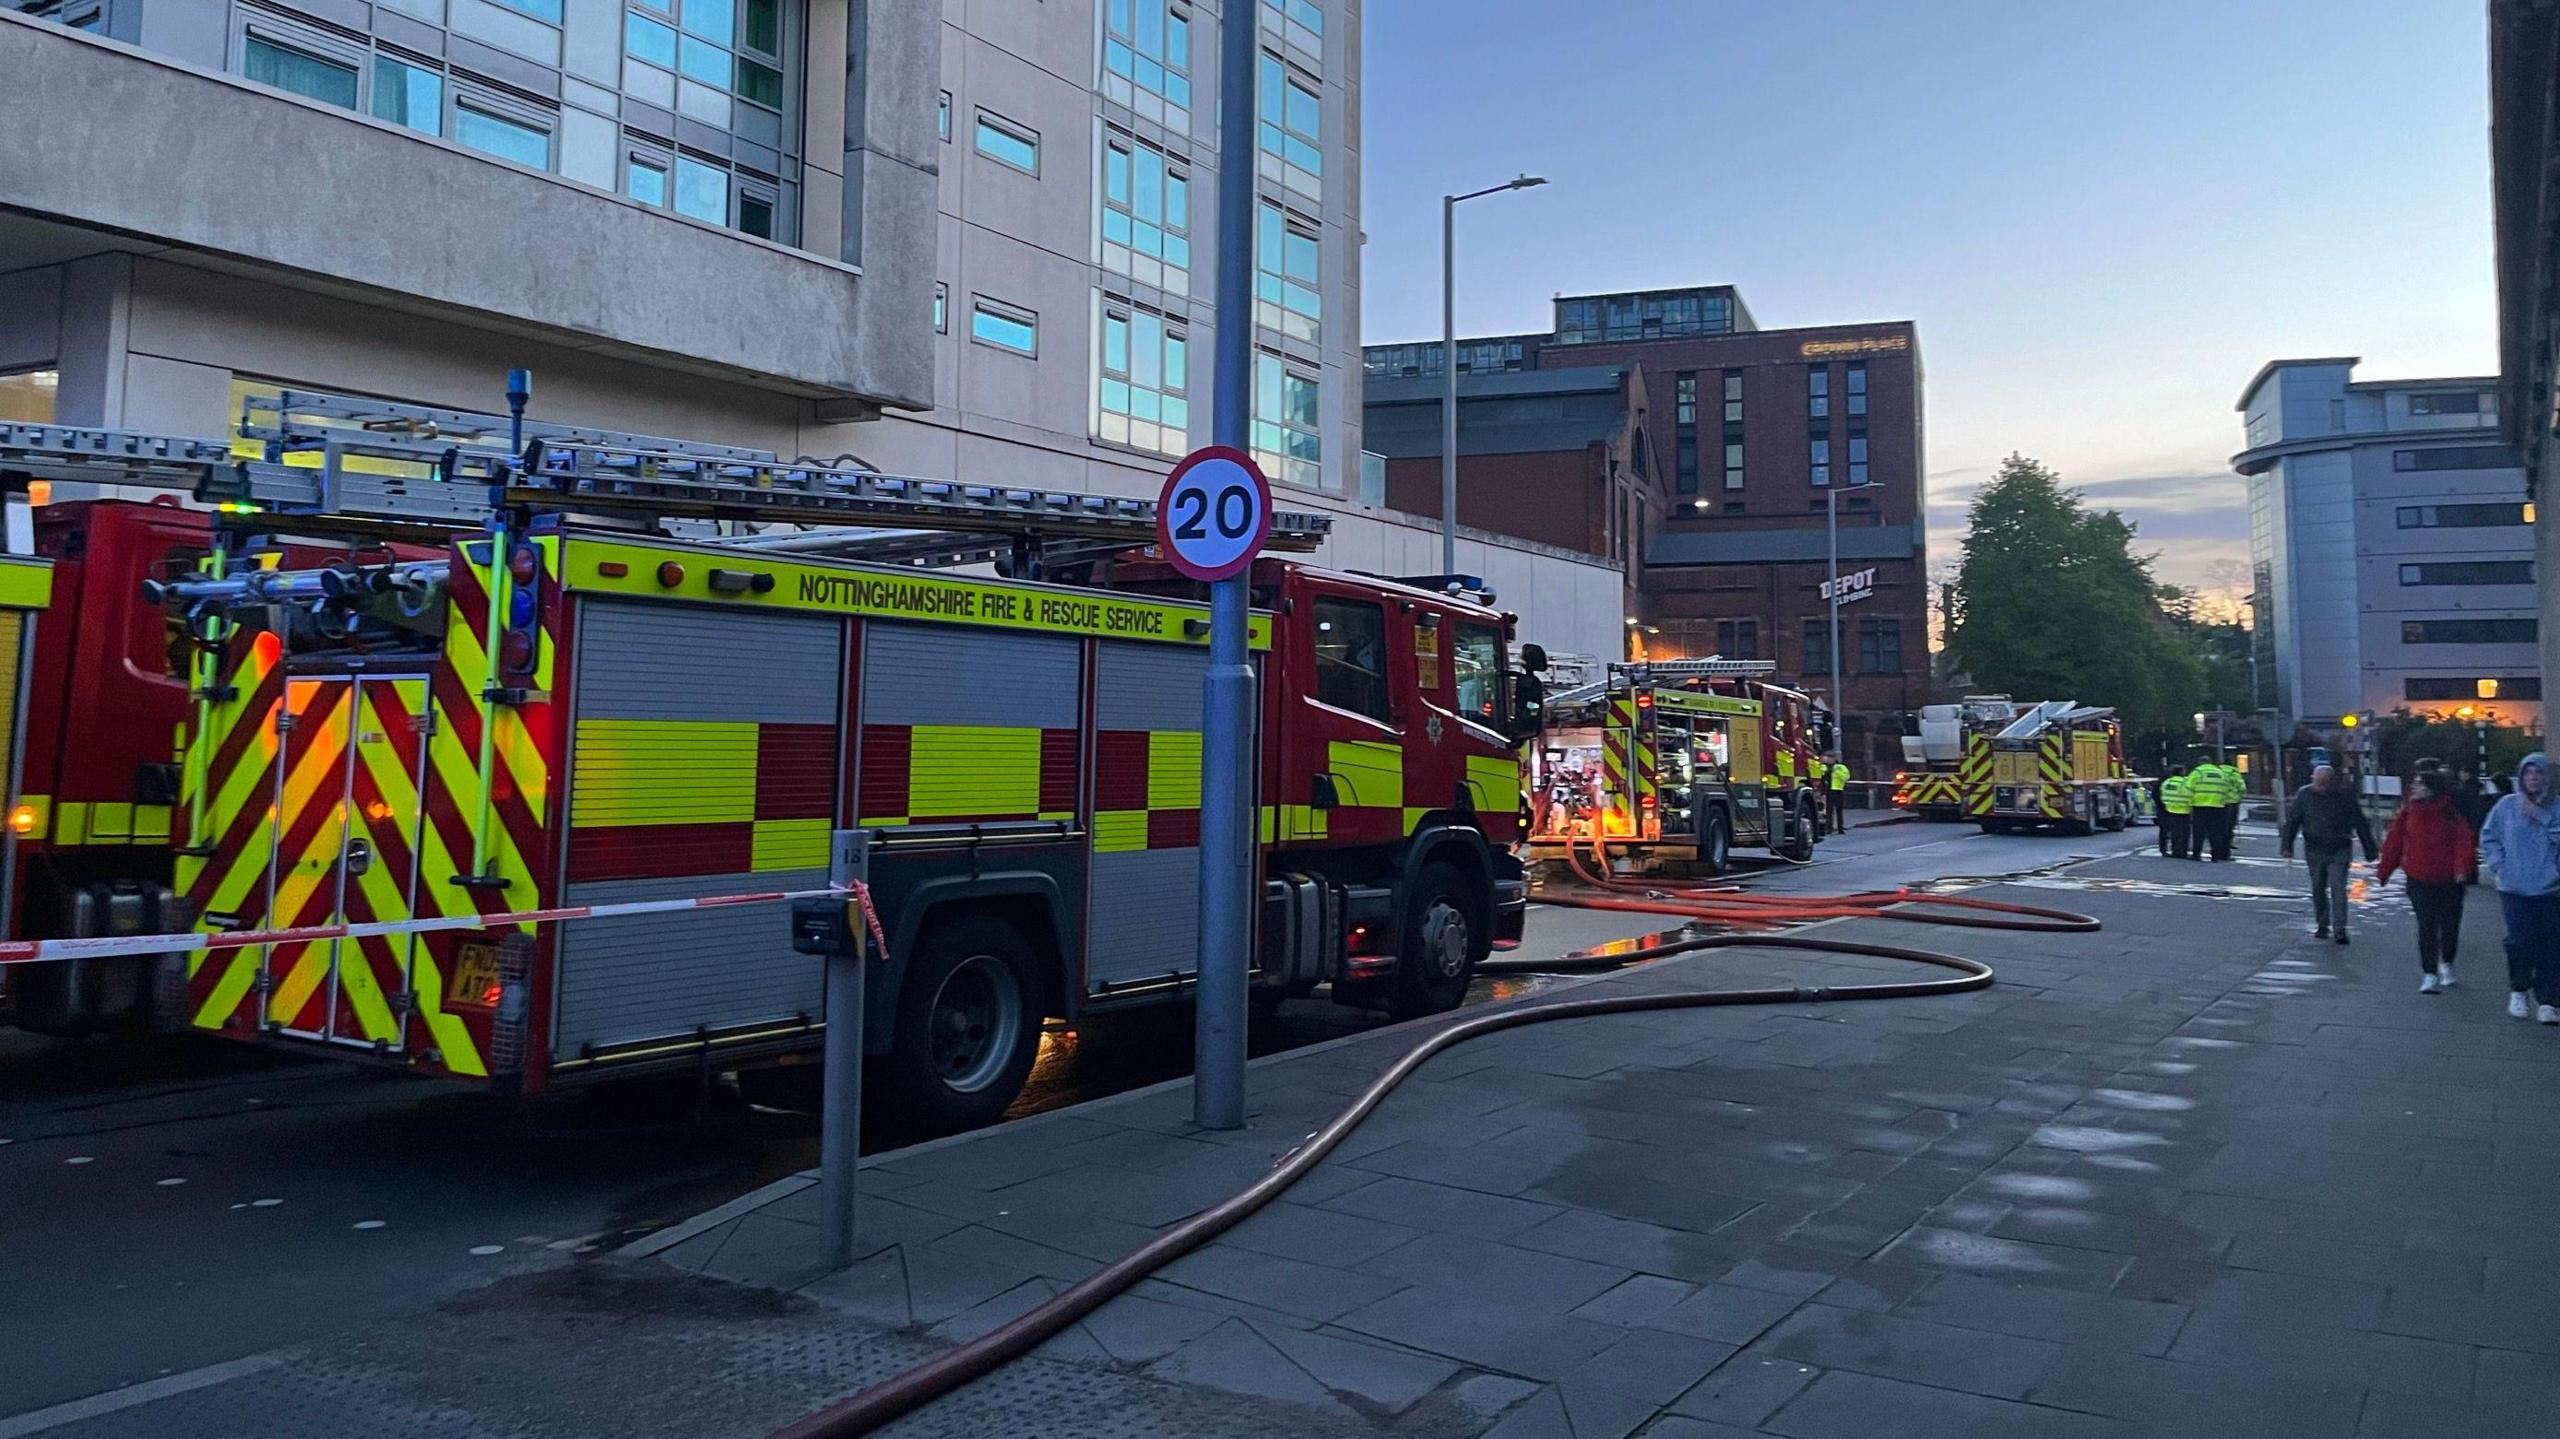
2103 218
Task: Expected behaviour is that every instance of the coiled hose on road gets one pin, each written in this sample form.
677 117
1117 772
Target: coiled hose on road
893 1398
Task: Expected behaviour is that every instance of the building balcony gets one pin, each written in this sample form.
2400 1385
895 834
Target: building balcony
117 148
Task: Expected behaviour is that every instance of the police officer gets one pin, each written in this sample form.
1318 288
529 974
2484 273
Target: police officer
2216 821
2204 808
1838 796
2175 809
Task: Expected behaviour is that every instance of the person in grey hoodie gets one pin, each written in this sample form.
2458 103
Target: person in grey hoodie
2520 845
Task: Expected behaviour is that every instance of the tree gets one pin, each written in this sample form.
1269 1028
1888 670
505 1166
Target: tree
2051 602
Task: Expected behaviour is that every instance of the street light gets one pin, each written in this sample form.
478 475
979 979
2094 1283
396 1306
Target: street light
1449 362
1831 524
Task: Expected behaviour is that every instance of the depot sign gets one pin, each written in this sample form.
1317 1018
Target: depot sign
1851 587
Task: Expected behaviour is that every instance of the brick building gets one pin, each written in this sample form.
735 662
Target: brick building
1556 457
1751 429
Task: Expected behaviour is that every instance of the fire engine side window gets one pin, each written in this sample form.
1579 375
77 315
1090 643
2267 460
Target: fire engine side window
1479 666
1351 656
162 641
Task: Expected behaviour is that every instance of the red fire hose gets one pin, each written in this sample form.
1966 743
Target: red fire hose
895 1397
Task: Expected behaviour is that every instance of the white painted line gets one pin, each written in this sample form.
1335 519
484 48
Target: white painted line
369 1224
171 1183
485 1250
82 1159
37 1421
264 1203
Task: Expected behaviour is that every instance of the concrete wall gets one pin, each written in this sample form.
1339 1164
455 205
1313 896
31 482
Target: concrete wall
367 208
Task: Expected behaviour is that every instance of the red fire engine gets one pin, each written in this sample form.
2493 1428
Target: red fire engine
1686 759
599 710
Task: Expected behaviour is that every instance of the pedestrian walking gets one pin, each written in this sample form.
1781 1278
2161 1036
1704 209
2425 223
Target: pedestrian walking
1838 798
2520 847
2472 797
2434 846
2175 811
2328 818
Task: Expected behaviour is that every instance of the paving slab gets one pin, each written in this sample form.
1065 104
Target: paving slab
2193 1175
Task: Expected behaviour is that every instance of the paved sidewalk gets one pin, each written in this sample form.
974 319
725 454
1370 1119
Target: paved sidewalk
2194 1176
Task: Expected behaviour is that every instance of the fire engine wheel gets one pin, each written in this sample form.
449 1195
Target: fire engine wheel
1715 844
1799 840
968 1027
1439 955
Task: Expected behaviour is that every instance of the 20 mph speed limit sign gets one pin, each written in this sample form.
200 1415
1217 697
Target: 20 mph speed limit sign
1214 514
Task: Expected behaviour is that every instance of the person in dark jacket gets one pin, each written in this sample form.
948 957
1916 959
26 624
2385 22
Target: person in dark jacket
2328 818
2472 798
2436 848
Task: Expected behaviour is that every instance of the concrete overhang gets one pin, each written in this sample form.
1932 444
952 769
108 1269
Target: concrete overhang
235 176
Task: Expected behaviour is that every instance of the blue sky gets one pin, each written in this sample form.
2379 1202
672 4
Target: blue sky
2103 217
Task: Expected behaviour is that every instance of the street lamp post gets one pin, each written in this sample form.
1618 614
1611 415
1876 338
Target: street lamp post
1449 363
1831 526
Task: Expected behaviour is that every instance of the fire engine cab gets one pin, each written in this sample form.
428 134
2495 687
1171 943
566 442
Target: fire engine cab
650 673
1679 759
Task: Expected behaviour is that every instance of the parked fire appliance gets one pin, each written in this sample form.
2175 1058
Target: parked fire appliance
689 715
1934 753
1679 758
2058 763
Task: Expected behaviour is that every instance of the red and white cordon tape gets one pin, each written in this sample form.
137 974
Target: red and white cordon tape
35 951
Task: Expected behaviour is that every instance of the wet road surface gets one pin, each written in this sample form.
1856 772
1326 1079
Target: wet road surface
176 1203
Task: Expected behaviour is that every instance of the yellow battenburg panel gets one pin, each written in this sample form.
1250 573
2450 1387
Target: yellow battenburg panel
664 772
1117 831
791 844
1367 774
956 771
1495 782
1173 769
1413 815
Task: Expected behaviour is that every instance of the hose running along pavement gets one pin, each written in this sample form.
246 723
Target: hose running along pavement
899 1395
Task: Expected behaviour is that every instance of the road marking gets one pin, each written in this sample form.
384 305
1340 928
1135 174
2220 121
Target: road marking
171 1183
36 1421
82 1159
264 1203
485 1250
369 1223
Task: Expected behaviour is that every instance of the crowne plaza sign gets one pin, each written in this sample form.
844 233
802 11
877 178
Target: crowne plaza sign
1862 345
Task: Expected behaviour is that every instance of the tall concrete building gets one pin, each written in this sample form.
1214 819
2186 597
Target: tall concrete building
2392 562
963 239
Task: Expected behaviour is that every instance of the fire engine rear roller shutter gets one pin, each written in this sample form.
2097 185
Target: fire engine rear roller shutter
1145 916
967 725
701 764
13 638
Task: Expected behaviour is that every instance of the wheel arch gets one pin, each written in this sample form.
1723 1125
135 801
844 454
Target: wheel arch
1030 902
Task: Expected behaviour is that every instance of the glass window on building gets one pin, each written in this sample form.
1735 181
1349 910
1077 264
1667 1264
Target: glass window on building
1146 215
2457 457
646 180
2470 632
2463 517
702 191
1858 387
2465 402
1144 398
1738 639
1879 645
1819 453
1817 645
299 71
1003 141
1685 399
2468 572
525 144
941 308
1733 465
410 95
1817 391
1288 280
992 322
942 118
1733 397
1146 60
1291 128
1857 457
1286 410
2508 687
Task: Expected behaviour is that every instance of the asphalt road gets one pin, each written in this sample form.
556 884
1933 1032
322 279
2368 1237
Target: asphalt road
171 1204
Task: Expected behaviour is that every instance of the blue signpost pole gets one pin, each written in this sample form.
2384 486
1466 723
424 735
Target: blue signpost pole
1226 781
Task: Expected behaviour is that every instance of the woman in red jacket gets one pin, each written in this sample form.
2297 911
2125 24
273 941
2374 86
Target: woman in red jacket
2431 843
